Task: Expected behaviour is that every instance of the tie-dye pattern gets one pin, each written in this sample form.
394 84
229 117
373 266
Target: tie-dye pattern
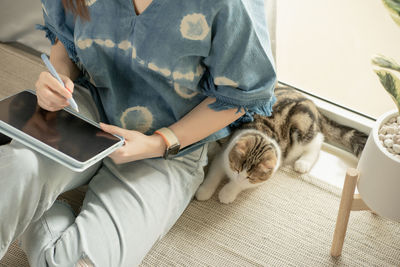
149 70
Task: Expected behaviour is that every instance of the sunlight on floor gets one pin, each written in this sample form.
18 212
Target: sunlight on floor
332 165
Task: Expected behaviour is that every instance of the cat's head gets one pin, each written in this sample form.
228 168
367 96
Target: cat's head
254 156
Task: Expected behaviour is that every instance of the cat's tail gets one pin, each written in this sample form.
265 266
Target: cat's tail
350 138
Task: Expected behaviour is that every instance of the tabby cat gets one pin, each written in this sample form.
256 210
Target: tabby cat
292 135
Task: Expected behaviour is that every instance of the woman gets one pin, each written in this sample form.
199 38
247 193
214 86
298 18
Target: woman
168 76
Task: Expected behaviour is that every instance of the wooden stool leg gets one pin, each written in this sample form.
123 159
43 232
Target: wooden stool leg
344 211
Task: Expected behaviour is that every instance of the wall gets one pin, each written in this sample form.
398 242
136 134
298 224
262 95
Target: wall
326 47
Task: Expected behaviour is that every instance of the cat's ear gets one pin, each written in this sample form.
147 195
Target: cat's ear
237 155
265 169
241 147
268 164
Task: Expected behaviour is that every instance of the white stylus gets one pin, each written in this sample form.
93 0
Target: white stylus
55 74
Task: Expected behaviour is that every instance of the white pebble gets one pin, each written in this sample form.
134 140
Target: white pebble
398 120
381 137
392 120
396 139
396 148
388 142
388 136
383 130
391 130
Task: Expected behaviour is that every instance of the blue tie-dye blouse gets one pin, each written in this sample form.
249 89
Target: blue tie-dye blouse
147 71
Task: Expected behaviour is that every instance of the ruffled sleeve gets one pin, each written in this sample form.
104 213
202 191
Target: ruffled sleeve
240 70
59 24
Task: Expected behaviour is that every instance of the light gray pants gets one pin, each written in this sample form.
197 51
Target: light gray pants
127 207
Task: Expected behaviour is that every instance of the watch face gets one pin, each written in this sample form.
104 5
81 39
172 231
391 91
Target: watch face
171 151
174 149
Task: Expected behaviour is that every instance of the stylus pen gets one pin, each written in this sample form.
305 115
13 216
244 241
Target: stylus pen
55 74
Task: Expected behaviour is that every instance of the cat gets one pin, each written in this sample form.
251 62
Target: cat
292 135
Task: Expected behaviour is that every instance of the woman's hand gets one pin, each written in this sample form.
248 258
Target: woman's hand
137 145
51 94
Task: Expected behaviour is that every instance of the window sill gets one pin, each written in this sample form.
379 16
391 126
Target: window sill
333 161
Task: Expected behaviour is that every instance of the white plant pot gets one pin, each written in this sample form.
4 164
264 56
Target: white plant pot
379 183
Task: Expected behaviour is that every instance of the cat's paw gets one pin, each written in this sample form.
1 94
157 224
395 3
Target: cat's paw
204 193
302 166
226 195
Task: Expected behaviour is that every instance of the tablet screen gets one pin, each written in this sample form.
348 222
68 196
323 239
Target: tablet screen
61 130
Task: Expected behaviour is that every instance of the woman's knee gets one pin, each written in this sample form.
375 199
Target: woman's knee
20 191
18 164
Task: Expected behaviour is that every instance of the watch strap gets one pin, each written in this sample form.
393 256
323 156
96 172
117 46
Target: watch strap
170 140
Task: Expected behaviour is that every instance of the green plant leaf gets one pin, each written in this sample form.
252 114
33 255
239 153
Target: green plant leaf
394 9
385 62
391 84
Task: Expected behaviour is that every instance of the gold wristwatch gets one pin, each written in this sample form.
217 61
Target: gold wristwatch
170 140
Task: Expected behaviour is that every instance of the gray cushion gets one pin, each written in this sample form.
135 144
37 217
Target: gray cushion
18 22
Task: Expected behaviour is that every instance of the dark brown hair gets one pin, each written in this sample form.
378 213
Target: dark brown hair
77 7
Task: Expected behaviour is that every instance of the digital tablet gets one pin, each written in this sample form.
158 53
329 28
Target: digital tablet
64 136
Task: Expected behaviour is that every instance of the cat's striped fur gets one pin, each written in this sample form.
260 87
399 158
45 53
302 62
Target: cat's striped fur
296 118
293 134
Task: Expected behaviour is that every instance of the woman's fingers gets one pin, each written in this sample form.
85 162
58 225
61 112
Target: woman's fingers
68 83
51 99
115 130
53 84
52 102
51 94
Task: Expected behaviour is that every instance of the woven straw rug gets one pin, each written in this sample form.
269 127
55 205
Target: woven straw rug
289 221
